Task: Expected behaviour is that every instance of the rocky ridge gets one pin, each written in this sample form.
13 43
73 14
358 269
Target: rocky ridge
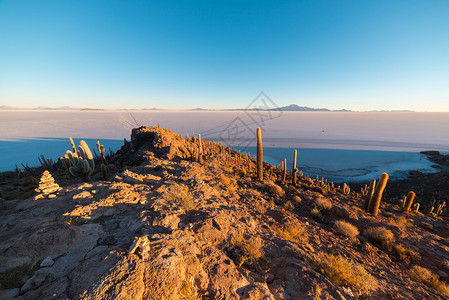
166 226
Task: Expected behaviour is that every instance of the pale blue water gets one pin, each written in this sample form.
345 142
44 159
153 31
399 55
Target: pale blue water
348 165
335 165
27 151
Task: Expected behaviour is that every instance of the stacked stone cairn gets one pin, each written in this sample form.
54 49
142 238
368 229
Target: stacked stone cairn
48 188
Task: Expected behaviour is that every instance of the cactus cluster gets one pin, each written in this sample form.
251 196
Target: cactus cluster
440 207
80 162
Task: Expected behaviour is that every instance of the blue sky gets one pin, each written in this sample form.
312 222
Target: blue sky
359 55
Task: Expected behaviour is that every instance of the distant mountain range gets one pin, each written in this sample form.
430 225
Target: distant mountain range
291 107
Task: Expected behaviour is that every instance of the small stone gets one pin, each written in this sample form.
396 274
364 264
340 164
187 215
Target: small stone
442 274
141 247
47 262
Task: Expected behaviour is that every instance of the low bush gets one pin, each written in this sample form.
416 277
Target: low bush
274 189
346 229
292 232
181 195
323 203
345 273
249 249
429 278
405 254
379 235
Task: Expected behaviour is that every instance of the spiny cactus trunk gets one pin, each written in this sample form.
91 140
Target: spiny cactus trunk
369 194
284 171
259 155
409 201
294 169
377 196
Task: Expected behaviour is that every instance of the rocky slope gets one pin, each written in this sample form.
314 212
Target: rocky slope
166 226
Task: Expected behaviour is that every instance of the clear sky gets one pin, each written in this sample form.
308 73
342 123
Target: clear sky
359 55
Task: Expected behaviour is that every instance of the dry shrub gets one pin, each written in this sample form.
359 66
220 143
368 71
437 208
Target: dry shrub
405 254
323 203
250 249
274 189
379 235
225 179
292 232
296 199
399 221
188 291
315 212
289 206
230 183
429 278
254 192
14 278
345 273
424 225
181 195
260 208
346 229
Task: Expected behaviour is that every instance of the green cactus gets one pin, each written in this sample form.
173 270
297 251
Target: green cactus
80 163
105 171
259 155
101 151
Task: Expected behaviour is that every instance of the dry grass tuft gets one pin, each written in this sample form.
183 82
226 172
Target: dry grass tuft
260 208
315 212
250 249
296 199
254 192
230 183
424 225
399 221
181 195
429 278
346 229
14 278
379 235
323 203
274 189
292 232
405 254
188 291
289 206
345 273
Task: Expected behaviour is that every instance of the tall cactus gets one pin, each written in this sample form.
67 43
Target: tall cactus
409 201
259 155
294 169
284 171
377 196
369 194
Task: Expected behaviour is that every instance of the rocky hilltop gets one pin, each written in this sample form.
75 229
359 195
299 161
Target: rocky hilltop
169 217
